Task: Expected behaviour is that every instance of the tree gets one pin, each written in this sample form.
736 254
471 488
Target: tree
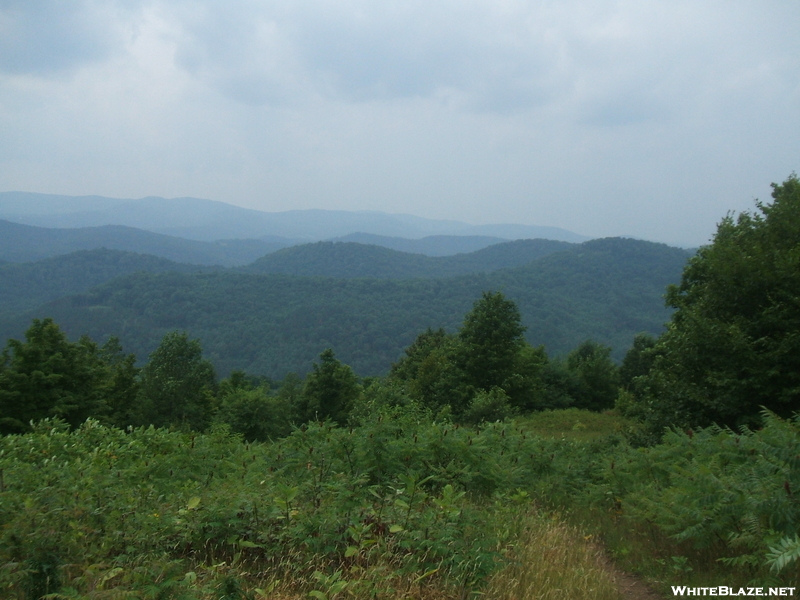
254 413
48 376
490 341
177 384
123 385
595 375
638 359
733 343
330 390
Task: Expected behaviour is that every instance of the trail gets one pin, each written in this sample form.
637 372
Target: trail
630 587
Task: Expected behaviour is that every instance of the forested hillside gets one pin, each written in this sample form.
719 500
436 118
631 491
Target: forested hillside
350 260
24 243
607 290
25 285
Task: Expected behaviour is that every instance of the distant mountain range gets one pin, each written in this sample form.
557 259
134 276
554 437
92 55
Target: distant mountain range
208 220
432 245
25 243
273 323
267 292
349 260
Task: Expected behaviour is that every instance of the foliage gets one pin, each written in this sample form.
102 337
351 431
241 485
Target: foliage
606 290
491 405
329 390
393 494
638 359
254 413
177 384
47 376
480 372
595 376
397 497
732 344
490 339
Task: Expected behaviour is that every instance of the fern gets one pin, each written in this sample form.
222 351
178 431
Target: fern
786 552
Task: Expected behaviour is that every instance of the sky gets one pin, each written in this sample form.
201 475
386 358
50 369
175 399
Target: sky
642 118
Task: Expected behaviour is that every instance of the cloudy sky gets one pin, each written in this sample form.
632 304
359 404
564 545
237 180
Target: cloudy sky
643 118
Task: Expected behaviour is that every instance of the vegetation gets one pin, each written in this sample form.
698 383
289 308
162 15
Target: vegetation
25 243
731 347
452 476
352 260
27 285
605 290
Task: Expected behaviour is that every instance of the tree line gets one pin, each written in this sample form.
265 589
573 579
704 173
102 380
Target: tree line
485 371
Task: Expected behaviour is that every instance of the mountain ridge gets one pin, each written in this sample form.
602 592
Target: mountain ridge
209 220
607 290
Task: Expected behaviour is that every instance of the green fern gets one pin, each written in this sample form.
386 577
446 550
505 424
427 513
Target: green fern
786 552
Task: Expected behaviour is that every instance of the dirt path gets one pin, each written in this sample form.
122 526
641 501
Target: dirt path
629 586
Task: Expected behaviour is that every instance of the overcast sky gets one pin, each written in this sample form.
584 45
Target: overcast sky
642 118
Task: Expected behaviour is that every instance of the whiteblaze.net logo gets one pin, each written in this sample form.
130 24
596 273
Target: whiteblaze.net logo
723 590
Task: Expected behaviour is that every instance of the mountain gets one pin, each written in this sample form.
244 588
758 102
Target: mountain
432 245
24 285
351 260
209 220
607 290
23 243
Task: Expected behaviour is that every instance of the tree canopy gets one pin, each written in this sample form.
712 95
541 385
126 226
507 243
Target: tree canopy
48 376
177 384
733 344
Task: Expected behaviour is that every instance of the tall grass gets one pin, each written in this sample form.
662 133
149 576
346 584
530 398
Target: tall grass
552 561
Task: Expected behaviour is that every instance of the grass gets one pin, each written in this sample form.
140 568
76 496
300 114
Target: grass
552 561
575 424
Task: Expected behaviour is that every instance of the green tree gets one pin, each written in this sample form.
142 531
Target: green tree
254 413
733 343
177 384
48 376
596 376
330 390
123 385
638 359
525 388
431 374
491 339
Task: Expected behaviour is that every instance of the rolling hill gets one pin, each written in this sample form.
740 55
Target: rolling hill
208 220
432 245
25 243
606 290
26 285
351 260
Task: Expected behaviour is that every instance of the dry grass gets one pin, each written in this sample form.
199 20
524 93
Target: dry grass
552 561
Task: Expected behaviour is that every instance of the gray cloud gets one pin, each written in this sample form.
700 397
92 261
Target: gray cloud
49 36
635 117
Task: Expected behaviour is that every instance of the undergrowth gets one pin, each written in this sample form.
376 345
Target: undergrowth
399 506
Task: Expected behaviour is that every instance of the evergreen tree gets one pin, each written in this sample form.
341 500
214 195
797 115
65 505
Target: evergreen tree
48 376
330 390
